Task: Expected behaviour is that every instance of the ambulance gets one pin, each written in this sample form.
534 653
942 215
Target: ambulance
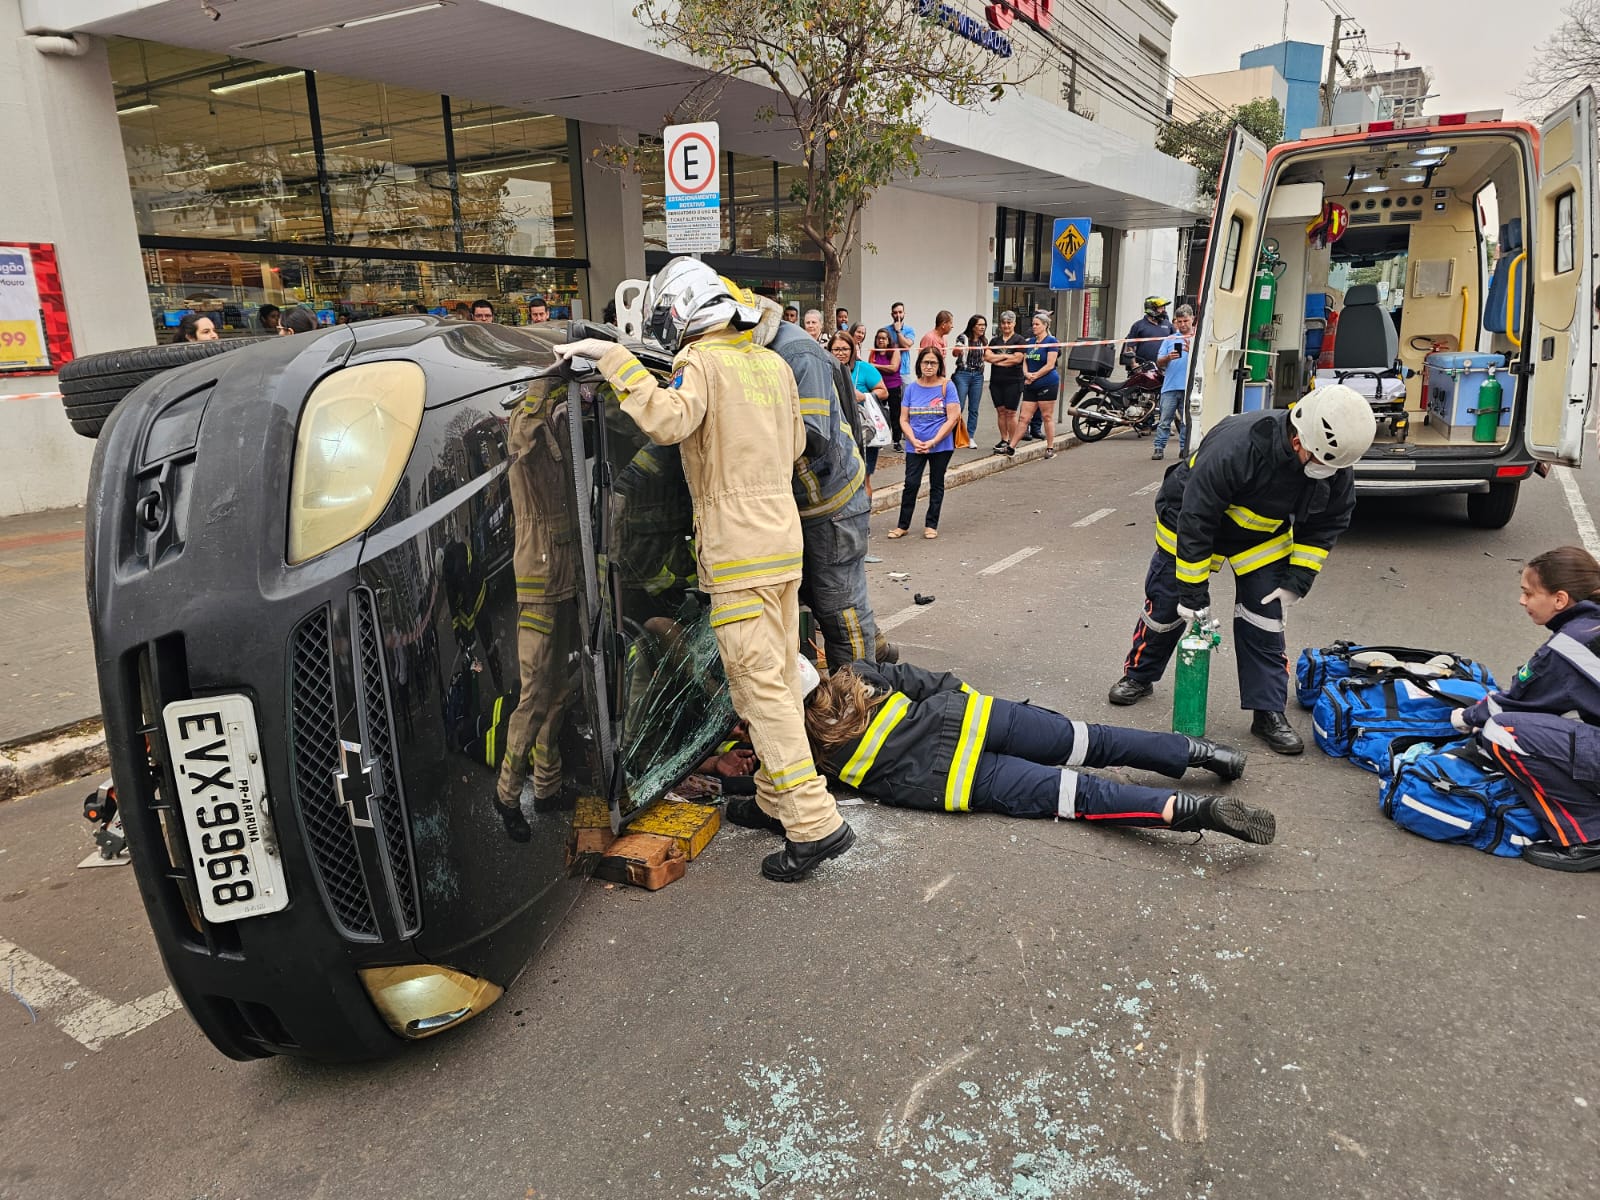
1444 266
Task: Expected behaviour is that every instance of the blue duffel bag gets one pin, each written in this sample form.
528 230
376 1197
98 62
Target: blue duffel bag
1448 793
1357 717
1318 668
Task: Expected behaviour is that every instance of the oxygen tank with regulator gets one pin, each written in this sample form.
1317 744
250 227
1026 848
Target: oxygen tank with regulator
1263 308
1191 682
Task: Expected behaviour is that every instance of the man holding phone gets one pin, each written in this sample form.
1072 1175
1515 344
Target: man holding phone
1173 358
901 335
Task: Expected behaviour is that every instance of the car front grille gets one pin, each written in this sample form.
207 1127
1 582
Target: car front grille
315 732
377 730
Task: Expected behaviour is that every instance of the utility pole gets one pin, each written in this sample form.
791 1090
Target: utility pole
1328 79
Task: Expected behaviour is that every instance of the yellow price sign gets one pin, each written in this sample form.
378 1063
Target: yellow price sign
1070 241
20 345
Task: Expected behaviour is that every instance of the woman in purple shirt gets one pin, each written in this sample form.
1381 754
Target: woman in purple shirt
929 410
886 357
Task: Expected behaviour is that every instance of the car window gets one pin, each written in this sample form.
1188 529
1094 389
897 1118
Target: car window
668 695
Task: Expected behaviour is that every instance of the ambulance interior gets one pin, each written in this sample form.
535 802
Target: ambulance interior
1418 301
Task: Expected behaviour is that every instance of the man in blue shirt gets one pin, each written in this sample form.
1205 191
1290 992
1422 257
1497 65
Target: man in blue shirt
1173 359
901 335
1146 332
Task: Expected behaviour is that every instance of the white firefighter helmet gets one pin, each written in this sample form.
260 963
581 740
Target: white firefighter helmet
1335 423
809 679
686 298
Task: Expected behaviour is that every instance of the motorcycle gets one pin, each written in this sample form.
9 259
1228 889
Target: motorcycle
1101 406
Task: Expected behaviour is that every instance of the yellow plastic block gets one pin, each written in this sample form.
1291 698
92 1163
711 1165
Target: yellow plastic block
591 813
692 826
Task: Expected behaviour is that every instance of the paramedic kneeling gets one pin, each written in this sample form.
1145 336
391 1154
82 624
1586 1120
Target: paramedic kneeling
1544 730
1269 493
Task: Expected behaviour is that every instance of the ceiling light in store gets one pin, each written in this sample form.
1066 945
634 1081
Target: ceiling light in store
319 30
239 83
507 121
504 167
136 104
1376 187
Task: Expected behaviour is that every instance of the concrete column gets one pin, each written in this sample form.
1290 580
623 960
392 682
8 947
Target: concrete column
66 183
613 216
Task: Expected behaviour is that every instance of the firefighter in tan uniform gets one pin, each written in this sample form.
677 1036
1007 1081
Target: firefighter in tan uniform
547 610
734 410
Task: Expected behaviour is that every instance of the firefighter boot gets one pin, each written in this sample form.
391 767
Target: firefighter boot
1127 691
1247 822
798 859
1274 729
744 811
1222 761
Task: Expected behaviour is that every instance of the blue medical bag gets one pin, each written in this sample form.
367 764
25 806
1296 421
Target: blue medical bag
1448 793
1317 668
1357 718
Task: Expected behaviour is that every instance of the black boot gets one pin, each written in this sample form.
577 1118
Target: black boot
1584 856
744 811
1274 729
1222 761
517 828
1127 691
1248 823
798 859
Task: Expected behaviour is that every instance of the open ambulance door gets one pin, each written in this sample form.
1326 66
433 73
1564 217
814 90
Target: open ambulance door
1217 365
1559 338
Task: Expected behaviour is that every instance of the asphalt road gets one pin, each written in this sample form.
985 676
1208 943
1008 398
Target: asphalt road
961 1007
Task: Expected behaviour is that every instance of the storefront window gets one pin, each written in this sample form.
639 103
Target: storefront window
516 182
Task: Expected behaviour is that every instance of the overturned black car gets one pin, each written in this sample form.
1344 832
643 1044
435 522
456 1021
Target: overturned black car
331 579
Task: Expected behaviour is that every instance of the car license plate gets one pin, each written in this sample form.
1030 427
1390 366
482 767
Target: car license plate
216 757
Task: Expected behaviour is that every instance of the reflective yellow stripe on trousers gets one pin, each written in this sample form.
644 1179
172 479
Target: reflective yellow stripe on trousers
964 766
891 714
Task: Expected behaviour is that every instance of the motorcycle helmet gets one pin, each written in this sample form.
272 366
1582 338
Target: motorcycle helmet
687 298
1335 423
1156 305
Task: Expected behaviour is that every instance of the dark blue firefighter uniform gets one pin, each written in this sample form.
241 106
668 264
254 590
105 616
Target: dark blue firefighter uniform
1243 498
934 743
1544 730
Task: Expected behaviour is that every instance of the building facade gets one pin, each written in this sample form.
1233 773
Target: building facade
1405 90
373 156
1299 64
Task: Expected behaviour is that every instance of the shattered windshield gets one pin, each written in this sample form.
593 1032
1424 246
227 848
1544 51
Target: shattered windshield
668 694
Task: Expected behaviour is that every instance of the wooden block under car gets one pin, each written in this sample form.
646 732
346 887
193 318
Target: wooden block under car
691 825
645 860
591 826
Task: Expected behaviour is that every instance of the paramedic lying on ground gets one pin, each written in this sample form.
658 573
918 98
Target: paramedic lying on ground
1544 730
911 738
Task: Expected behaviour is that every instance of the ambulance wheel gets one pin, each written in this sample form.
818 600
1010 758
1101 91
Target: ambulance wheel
1493 509
95 384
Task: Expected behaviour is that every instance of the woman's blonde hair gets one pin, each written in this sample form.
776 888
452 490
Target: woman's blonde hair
839 710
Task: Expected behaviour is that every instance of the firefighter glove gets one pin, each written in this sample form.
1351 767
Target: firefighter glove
590 347
1192 616
1285 596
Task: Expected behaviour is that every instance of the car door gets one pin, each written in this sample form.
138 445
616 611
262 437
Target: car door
1217 365
1559 339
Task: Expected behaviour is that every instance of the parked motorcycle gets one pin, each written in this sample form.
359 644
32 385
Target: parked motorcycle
1101 406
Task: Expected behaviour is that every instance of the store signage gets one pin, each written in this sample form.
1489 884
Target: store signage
22 336
968 27
694 197
1034 12
1069 244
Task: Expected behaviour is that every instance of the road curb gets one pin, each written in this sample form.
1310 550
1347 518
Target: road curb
31 764
888 496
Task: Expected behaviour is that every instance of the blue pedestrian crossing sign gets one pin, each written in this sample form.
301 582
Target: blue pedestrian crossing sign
1069 253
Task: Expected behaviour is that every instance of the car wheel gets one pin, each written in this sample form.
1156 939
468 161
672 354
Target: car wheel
92 386
1493 509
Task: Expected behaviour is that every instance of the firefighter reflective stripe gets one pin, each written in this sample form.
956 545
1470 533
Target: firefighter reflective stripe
1166 539
1194 572
1302 555
894 711
1241 613
793 775
536 621
852 628
491 748
1253 520
968 689
1576 653
750 568
810 406
841 497
1259 556
465 621
631 376
727 614
808 481
532 585
964 766
1156 626
730 744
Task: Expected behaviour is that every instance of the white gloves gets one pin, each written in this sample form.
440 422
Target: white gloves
1458 718
1191 615
1284 596
590 348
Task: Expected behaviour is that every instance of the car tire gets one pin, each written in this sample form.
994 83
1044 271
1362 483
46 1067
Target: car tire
92 386
1493 509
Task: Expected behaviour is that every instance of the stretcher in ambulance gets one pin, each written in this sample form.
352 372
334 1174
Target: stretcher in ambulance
1443 266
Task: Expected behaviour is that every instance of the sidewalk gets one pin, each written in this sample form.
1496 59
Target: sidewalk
50 707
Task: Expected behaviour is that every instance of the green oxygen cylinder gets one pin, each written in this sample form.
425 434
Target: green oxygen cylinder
1263 305
1192 681
1490 396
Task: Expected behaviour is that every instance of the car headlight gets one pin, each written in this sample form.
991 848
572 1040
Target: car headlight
423 999
355 438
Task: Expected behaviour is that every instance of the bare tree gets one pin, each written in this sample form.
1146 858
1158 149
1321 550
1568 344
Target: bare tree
854 80
1567 61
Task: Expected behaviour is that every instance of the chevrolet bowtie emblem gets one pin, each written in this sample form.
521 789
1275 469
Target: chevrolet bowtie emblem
357 801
